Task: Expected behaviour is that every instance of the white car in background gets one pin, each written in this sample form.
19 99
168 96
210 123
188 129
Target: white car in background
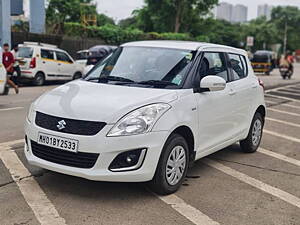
82 56
3 86
146 112
43 62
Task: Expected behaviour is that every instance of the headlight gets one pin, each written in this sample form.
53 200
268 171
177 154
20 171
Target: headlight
139 121
30 114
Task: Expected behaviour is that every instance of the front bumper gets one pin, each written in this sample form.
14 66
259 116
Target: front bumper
108 148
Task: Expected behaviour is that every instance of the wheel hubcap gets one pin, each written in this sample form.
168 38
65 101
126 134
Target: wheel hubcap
176 165
256 132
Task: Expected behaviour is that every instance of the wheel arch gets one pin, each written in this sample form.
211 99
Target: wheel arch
262 110
188 135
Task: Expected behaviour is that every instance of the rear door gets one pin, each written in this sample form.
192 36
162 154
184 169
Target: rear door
65 65
241 88
48 64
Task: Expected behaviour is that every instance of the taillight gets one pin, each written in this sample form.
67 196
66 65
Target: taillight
261 83
33 63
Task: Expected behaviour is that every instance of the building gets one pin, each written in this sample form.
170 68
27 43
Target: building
224 11
231 13
239 14
264 10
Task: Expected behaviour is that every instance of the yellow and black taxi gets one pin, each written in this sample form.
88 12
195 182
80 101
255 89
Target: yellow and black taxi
263 62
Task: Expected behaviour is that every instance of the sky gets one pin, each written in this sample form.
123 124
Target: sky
120 9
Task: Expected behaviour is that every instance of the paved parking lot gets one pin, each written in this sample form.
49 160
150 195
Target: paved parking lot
228 187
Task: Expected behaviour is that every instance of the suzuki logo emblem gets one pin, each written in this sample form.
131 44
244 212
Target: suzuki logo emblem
61 125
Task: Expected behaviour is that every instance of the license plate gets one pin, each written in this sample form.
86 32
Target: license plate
284 69
66 144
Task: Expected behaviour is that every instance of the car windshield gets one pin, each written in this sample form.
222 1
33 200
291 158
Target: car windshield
25 52
143 66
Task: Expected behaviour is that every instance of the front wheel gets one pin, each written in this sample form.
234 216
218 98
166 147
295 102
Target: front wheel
172 166
252 142
77 75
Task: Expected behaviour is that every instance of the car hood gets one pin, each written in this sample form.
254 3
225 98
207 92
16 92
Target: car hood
91 101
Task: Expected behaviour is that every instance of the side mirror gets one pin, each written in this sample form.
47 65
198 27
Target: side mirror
213 83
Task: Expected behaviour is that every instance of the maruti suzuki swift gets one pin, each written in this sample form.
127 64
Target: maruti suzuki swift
146 112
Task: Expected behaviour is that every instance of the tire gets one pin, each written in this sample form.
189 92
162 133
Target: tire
252 142
77 75
267 73
162 183
39 79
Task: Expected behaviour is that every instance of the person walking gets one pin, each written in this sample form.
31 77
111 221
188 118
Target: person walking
8 62
16 65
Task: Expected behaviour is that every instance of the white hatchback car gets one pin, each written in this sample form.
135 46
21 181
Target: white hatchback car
146 112
43 62
3 86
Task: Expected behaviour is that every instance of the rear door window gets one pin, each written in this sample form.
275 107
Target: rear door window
238 66
47 54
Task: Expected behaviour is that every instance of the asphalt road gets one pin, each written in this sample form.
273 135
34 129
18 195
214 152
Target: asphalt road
228 187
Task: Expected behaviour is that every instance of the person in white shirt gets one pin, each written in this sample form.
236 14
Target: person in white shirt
16 63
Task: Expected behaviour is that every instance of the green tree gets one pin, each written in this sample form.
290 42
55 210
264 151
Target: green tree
58 12
287 19
172 15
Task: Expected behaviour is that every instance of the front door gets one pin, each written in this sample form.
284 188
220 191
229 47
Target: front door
216 121
65 65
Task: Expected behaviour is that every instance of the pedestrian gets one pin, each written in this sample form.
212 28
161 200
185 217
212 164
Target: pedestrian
16 66
8 62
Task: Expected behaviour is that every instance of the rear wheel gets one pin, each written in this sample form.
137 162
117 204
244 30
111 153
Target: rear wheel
172 166
39 79
252 142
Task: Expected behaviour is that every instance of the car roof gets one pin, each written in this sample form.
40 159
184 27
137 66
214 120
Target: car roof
184 45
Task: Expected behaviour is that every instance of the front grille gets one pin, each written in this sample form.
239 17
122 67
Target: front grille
71 126
78 159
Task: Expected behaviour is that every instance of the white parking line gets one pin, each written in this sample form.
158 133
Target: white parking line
281 97
282 104
283 122
188 211
281 111
282 136
279 156
285 196
287 92
41 206
9 109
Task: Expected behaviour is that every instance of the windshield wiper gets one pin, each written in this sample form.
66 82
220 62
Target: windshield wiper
157 83
110 78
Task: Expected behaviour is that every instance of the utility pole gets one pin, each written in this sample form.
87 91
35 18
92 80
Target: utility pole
285 38
5 23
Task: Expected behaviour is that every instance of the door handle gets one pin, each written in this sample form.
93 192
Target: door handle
232 92
44 62
254 85
59 64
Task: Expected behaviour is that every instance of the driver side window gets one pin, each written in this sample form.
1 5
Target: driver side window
213 63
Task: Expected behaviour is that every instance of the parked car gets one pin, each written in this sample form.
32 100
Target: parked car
43 62
164 104
96 54
82 56
264 62
3 86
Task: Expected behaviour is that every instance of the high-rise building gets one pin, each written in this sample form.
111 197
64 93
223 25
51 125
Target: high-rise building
224 11
231 13
239 14
264 10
